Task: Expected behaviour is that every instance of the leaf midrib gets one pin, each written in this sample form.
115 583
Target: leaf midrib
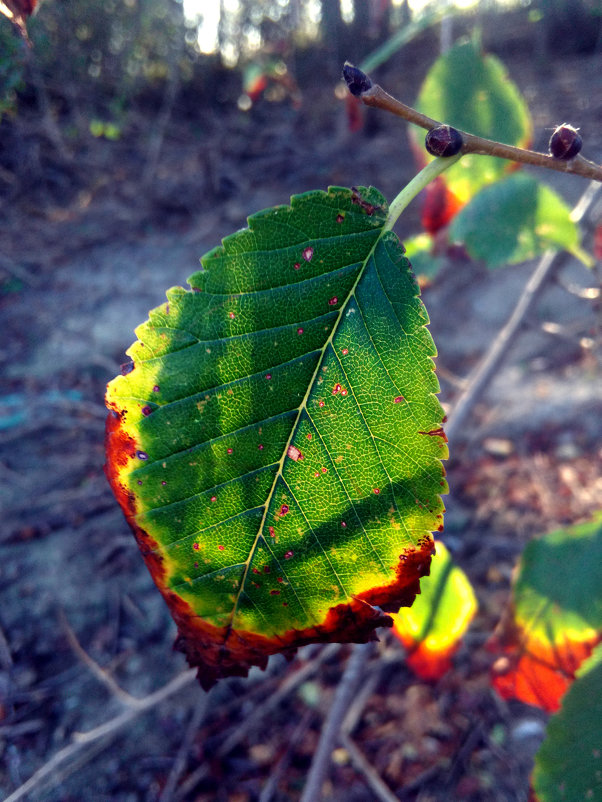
302 406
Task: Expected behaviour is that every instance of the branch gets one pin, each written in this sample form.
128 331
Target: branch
361 764
242 730
101 674
182 757
373 95
96 735
548 265
332 727
269 790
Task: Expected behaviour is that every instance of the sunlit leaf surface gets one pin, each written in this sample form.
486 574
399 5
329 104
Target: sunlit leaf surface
276 443
432 628
568 764
555 618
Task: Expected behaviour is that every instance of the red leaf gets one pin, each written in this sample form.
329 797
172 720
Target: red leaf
18 11
554 620
534 672
440 206
430 664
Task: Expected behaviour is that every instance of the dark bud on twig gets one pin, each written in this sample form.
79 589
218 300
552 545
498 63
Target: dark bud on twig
565 142
357 81
443 141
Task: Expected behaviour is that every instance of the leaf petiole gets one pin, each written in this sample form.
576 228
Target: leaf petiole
416 185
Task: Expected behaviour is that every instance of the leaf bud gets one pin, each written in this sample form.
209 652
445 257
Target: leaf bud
565 142
357 81
443 141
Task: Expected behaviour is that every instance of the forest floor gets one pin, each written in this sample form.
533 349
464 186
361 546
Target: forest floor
81 265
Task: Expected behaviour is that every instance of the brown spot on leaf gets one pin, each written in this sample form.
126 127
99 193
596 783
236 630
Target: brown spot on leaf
436 433
294 453
359 201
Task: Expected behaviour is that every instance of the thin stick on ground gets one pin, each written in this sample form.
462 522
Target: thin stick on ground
242 730
289 684
269 789
101 674
181 758
361 764
330 734
94 736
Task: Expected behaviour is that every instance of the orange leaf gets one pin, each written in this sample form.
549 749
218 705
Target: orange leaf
555 618
440 206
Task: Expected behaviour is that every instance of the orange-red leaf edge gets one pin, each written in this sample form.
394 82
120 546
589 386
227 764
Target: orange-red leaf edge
223 652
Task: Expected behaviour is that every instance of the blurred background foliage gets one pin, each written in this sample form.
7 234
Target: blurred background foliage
101 57
131 71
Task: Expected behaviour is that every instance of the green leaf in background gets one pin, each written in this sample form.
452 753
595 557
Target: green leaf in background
516 219
568 764
432 628
276 443
555 618
472 91
419 251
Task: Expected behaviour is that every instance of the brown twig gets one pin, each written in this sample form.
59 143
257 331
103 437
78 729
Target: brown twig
331 730
271 786
100 673
180 762
92 738
549 263
376 97
290 682
373 779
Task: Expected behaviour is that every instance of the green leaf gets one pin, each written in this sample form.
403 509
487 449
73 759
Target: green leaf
516 219
567 766
472 91
432 628
555 618
276 443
